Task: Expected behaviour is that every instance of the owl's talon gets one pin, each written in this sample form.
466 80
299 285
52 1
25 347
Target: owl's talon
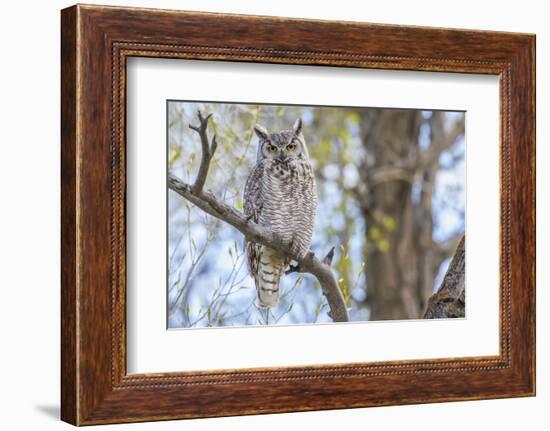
293 268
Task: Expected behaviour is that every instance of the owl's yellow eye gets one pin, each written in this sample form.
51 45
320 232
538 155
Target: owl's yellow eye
291 147
271 148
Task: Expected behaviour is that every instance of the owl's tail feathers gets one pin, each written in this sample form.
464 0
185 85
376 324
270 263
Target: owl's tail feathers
270 269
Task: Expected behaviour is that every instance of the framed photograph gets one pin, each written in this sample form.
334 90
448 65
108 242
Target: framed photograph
264 215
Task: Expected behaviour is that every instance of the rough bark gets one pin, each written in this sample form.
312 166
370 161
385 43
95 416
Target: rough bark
207 201
449 301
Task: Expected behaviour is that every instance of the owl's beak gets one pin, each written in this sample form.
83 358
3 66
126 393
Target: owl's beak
282 158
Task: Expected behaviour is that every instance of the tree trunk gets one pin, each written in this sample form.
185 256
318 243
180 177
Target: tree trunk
450 300
402 261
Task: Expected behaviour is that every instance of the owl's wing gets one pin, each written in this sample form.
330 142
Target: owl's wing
253 194
252 208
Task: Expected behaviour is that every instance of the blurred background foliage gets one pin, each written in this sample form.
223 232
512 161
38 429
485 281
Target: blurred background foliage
391 189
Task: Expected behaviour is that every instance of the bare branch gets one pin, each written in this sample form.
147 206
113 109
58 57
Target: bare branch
208 150
254 232
441 140
449 301
391 173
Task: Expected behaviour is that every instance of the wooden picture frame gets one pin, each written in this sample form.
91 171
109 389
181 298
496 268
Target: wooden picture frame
95 43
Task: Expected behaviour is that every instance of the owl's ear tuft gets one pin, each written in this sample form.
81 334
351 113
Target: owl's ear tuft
261 132
298 126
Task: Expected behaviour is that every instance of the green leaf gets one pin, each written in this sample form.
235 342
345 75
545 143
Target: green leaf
383 245
354 117
389 223
174 155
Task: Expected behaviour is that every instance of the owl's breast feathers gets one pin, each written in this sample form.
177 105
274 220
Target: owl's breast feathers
290 203
281 196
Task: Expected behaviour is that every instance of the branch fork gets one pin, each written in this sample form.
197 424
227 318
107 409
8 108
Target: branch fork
208 150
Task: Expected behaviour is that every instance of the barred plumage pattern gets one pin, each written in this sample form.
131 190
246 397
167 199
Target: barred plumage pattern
280 194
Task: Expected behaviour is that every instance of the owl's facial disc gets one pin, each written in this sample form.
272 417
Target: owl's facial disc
284 146
291 148
269 150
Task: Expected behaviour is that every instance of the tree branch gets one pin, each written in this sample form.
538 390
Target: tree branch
441 140
208 150
254 232
449 301
390 173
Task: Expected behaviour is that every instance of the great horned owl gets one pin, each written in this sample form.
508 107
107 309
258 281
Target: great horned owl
280 194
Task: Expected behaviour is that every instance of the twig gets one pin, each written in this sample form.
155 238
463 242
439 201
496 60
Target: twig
441 141
327 260
208 150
